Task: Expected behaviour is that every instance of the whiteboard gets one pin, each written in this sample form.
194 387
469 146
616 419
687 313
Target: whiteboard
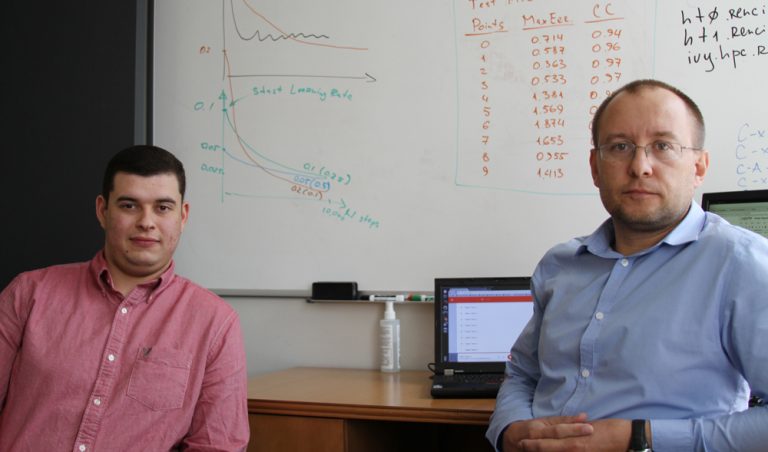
389 143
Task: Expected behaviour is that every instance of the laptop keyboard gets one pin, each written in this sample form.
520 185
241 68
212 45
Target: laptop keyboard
466 385
470 378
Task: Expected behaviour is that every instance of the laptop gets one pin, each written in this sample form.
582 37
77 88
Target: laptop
477 320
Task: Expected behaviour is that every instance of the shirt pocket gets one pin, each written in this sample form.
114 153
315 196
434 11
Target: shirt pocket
159 378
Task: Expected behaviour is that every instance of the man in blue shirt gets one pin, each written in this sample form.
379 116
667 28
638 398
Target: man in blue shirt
660 316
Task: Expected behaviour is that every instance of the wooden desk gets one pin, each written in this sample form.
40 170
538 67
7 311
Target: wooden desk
354 410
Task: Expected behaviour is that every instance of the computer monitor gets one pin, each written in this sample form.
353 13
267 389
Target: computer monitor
747 208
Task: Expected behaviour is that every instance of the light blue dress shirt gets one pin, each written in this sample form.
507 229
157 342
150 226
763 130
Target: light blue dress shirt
677 334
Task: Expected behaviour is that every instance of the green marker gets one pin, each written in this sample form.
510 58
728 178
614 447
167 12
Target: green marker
417 297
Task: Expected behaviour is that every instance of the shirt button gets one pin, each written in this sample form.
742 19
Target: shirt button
82 448
111 357
624 262
599 316
124 310
97 402
585 373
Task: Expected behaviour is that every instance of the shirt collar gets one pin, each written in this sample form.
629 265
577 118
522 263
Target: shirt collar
599 242
100 273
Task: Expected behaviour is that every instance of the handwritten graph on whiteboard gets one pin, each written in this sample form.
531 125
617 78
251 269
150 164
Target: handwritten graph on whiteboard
260 86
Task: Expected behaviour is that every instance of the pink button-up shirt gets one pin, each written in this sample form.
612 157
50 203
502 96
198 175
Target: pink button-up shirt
84 368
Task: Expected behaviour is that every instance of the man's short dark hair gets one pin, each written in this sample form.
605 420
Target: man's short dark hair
142 160
636 86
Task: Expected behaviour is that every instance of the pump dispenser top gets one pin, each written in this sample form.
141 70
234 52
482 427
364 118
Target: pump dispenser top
389 311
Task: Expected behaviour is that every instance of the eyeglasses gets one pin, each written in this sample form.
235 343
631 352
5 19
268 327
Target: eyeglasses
624 151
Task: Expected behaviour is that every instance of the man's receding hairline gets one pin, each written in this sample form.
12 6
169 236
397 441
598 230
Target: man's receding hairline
638 88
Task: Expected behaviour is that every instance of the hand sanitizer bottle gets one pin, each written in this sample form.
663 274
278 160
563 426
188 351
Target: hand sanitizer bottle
389 338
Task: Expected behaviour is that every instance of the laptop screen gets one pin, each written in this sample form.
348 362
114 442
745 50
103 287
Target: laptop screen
477 320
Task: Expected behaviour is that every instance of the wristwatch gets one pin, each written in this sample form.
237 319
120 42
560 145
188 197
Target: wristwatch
637 440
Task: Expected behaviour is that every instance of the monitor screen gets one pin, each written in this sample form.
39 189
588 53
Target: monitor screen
748 209
478 319
483 323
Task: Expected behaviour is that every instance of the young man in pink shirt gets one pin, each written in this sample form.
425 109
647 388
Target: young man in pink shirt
120 353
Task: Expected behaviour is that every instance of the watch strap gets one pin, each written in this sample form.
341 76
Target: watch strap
637 440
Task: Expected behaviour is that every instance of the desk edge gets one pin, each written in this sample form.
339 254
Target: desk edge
341 411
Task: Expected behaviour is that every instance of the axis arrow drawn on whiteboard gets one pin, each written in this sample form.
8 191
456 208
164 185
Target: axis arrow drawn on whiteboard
367 77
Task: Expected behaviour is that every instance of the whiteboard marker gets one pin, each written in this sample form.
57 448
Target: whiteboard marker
417 297
386 298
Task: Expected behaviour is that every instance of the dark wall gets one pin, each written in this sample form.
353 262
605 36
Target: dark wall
68 101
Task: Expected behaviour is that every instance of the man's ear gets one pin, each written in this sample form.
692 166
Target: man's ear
184 213
702 164
101 207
